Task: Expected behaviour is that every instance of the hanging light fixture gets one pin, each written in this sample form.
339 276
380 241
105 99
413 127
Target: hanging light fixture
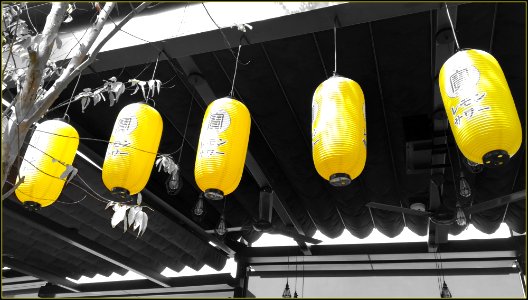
51 149
132 150
445 292
339 131
460 215
198 209
480 108
221 228
465 188
286 293
339 128
222 148
174 183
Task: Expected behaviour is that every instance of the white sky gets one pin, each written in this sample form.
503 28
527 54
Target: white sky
268 240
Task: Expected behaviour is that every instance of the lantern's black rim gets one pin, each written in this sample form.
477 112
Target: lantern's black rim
32 205
214 194
495 158
340 179
122 194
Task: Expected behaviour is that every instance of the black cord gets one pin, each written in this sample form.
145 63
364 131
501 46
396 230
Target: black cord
186 126
73 93
234 75
335 46
452 27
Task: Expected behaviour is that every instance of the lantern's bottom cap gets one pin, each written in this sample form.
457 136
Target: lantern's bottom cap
495 158
121 194
31 205
214 194
340 179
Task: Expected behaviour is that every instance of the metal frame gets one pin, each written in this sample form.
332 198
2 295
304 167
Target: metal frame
207 94
437 232
468 257
168 209
35 272
71 237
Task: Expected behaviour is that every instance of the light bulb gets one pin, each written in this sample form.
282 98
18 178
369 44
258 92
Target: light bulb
199 207
174 183
286 293
445 292
221 227
460 215
465 189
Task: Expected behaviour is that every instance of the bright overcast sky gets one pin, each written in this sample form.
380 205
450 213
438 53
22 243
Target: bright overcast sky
278 240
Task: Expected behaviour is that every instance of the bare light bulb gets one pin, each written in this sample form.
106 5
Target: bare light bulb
460 215
286 293
221 227
445 292
174 183
465 189
199 207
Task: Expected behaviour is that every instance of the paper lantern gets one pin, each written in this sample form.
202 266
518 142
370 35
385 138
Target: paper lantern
132 149
52 147
480 107
339 130
222 147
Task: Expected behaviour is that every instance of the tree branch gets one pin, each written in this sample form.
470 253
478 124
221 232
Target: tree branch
62 82
8 193
39 57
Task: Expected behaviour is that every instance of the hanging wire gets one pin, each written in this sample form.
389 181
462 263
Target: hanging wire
73 93
295 274
105 141
288 273
186 125
452 27
493 28
302 292
234 75
335 47
226 41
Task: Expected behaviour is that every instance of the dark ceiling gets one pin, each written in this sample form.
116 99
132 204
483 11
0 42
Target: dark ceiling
277 85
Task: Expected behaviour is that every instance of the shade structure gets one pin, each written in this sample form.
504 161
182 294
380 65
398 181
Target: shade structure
132 149
480 107
51 149
339 130
222 147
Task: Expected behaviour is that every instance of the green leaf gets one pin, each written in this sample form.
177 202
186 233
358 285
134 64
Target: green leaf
142 84
110 203
69 173
144 223
139 199
119 215
132 214
159 85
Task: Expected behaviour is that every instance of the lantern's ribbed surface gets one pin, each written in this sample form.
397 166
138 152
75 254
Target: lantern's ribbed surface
479 105
133 147
339 129
53 139
222 148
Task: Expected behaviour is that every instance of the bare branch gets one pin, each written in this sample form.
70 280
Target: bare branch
39 57
62 82
8 193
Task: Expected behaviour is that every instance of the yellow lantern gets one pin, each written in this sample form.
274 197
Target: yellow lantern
480 107
339 130
51 148
222 147
132 149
